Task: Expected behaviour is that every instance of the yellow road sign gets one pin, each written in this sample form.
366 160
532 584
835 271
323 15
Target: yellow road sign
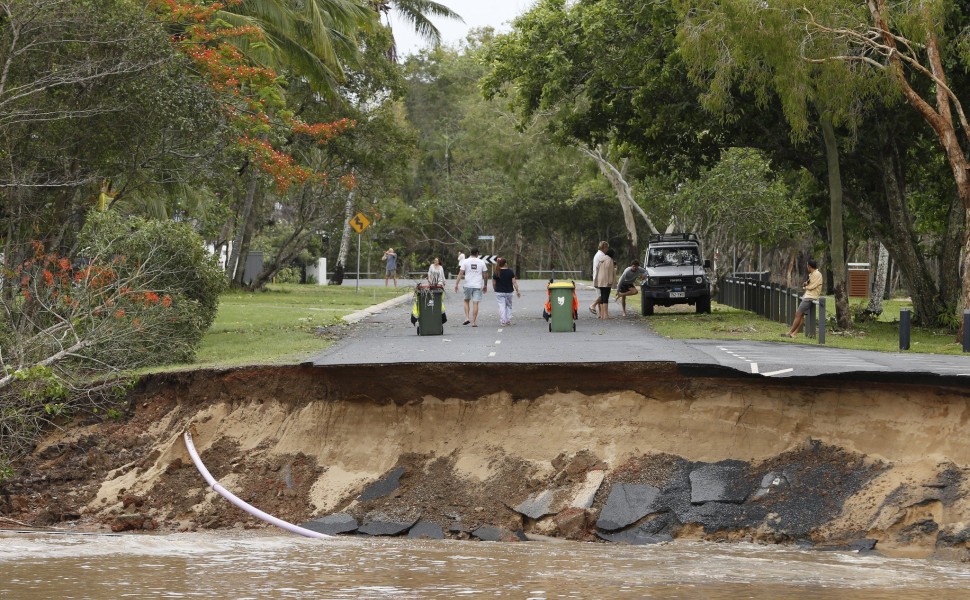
359 222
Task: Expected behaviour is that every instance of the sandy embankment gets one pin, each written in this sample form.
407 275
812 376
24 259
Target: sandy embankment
299 442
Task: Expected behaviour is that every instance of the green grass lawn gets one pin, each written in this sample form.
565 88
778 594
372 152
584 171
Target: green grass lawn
279 325
726 323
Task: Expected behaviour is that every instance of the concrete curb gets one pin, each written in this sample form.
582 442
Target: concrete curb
360 315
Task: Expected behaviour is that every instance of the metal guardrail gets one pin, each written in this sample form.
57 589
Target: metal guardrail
553 273
771 301
779 303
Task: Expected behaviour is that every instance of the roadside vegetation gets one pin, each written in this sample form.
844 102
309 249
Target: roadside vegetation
283 324
728 323
178 139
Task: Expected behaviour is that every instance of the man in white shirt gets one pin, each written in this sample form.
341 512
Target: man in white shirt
473 274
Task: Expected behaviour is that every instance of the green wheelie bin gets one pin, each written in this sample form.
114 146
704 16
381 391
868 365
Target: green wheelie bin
428 301
561 302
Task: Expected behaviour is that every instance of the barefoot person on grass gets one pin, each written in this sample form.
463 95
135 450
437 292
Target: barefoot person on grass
627 284
813 289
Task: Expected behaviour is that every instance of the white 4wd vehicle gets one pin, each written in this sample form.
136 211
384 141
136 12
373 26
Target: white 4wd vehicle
676 273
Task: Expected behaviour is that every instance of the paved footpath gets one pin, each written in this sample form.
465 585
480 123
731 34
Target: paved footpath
387 336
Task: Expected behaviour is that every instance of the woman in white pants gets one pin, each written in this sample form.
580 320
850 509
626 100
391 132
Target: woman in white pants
505 285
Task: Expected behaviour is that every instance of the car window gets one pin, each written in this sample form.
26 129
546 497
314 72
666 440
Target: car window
672 257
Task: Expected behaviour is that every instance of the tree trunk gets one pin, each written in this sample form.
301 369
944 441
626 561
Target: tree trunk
842 315
879 284
237 242
893 224
941 118
952 250
345 236
624 194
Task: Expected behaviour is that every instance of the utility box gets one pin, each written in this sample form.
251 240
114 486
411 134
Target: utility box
859 280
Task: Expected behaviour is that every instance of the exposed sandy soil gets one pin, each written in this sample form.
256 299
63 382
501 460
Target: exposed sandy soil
887 462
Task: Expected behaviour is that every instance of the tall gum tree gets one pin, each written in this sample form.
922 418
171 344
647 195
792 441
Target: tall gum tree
760 49
606 77
917 47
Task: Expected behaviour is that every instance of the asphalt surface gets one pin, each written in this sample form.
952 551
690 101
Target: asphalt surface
384 334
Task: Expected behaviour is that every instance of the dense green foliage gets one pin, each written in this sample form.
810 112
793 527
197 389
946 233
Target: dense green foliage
175 263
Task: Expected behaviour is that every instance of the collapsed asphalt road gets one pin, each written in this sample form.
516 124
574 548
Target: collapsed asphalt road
387 336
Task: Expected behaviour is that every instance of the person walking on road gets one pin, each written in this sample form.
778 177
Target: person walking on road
472 276
505 285
813 289
601 249
436 273
390 269
604 280
461 259
627 284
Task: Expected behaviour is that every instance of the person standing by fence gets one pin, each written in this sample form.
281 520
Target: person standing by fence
813 289
505 285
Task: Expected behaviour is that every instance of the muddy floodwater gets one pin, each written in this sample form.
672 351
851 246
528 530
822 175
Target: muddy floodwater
270 565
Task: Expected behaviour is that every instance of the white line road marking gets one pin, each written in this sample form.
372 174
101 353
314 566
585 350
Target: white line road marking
779 372
499 330
497 342
491 354
754 367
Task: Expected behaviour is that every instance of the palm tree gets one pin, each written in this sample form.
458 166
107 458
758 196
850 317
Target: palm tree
315 39
417 13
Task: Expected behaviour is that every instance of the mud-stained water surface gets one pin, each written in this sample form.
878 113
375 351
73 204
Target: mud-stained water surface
264 565
671 482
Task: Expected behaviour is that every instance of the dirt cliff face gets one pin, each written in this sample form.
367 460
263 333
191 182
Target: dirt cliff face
534 448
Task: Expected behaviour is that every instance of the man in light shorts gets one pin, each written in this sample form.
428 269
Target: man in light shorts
813 289
390 271
627 284
472 275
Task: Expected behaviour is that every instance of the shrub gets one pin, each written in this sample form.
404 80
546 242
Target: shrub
173 262
288 275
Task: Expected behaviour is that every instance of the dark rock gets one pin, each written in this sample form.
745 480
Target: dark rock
537 505
637 536
946 538
720 482
627 504
426 531
383 487
332 524
489 534
383 524
862 546
722 516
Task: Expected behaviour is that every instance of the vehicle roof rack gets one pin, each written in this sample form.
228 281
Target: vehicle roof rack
673 237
